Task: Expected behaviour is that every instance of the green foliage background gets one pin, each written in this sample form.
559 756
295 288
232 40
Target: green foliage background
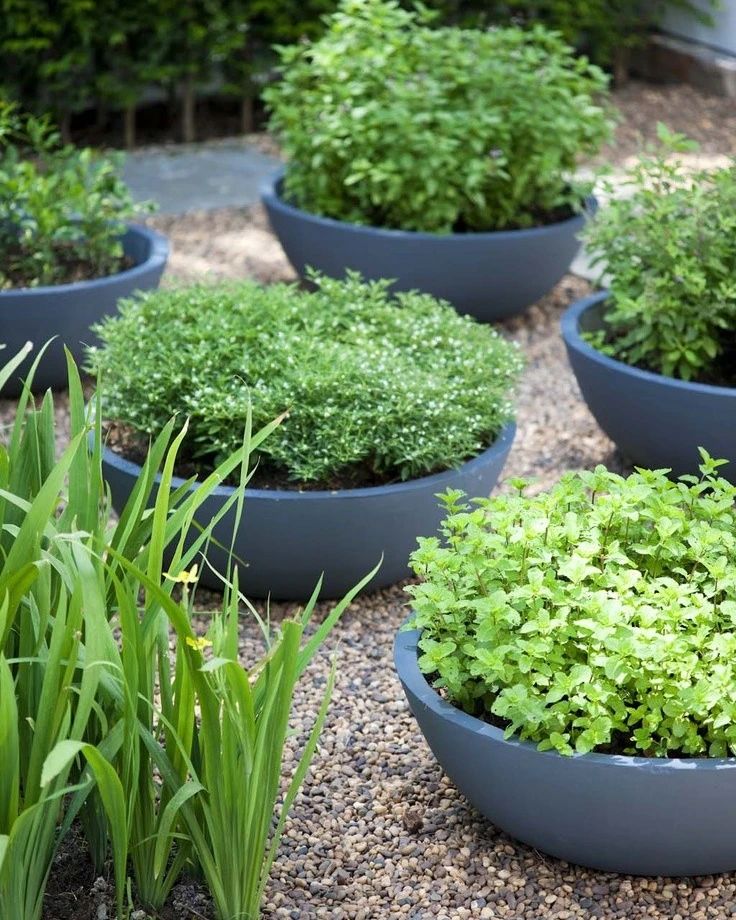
63 55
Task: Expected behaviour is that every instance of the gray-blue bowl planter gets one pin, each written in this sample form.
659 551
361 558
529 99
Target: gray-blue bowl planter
655 421
488 275
67 311
634 815
289 538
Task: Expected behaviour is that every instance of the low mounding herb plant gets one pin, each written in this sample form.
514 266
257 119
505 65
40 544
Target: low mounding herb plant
597 616
389 122
375 388
62 210
669 257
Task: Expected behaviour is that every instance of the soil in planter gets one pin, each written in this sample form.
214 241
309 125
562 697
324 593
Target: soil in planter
126 442
71 270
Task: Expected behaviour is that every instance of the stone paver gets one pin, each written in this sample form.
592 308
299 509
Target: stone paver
199 177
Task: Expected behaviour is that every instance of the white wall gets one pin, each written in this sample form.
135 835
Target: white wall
722 35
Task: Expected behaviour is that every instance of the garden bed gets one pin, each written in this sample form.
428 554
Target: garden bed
378 831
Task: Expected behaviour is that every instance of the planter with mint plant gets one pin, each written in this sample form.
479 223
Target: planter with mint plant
384 403
570 663
68 251
441 158
654 353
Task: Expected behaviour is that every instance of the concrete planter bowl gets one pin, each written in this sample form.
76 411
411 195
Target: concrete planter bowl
66 311
289 538
655 421
633 815
491 276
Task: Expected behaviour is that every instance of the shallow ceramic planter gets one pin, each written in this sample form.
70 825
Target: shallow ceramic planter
635 815
289 538
66 311
489 275
655 421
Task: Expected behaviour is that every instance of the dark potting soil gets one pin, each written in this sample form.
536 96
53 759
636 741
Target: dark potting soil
76 892
71 270
123 440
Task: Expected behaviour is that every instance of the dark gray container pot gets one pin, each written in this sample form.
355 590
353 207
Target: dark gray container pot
289 538
67 311
655 421
634 815
489 275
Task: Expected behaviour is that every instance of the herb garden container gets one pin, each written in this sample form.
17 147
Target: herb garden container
656 421
65 312
634 815
287 539
491 276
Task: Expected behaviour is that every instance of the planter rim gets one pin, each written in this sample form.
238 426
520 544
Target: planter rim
157 256
502 443
570 327
407 667
271 194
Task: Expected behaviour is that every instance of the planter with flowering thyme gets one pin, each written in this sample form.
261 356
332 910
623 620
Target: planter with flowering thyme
570 662
383 401
442 158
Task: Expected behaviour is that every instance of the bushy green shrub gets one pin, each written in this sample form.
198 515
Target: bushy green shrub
667 249
389 122
62 210
395 388
600 615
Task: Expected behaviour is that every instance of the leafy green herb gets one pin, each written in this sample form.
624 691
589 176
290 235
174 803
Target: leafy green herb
62 210
389 122
597 616
667 250
399 387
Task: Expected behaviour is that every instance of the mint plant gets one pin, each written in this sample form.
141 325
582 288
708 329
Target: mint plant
62 210
389 122
597 616
375 388
667 249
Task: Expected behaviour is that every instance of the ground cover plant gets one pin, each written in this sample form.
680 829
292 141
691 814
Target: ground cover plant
597 616
669 258
113 711
375 389
62 210
391 122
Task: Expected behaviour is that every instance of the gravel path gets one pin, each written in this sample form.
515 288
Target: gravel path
378 832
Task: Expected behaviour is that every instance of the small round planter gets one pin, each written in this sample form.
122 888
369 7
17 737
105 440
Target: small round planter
289 538
65 312
488 275
655 421
634 815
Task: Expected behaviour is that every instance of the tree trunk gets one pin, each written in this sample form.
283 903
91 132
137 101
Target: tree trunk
129 126
188 103
247 120
65 127
621 62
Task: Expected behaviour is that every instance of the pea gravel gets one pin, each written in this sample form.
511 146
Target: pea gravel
378 832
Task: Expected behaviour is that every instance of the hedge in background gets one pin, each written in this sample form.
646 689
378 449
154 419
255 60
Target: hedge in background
395 388
61 56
